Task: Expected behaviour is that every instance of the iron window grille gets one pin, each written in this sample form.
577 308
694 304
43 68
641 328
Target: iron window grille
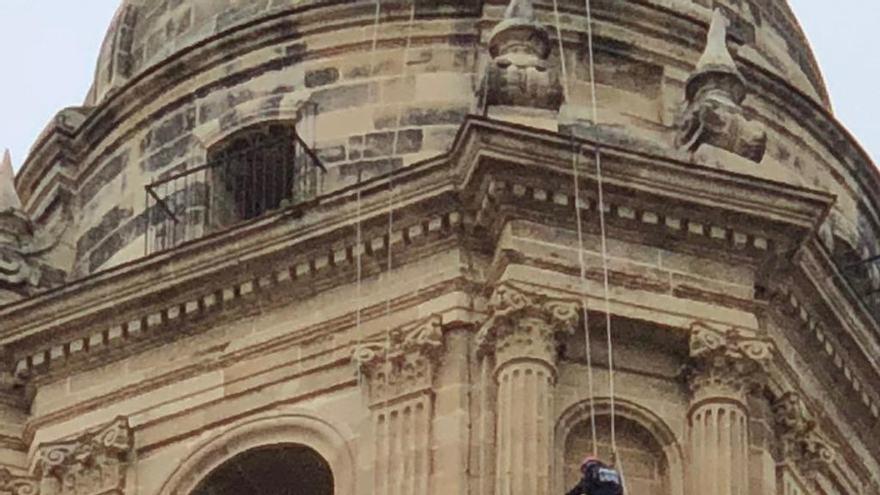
254 171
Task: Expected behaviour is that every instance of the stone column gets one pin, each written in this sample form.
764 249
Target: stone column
521 333
725 366
399 370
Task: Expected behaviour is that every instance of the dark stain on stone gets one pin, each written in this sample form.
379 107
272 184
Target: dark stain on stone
370 168
103 176
109 222
409 141
342 97
321 77
434 116
166 156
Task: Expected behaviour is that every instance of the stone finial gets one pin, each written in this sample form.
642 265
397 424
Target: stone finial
714 95
519 74
717 64
18 271
9 199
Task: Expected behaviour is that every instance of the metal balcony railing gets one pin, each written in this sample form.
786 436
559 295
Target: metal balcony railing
251 174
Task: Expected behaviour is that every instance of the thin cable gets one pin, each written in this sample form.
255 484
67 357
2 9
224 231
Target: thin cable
404 73
392 204
575 155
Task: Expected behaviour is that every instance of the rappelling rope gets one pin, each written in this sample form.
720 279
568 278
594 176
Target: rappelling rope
603 233
392 205
575 155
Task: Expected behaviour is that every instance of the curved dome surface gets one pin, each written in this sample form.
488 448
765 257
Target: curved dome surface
144 33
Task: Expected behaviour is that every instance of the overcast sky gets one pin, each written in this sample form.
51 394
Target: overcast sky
48 50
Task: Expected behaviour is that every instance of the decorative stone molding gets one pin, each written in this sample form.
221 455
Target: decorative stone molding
22 270
519 73
17 485
725 362
801 442
524 324
402 362
94 464
714 95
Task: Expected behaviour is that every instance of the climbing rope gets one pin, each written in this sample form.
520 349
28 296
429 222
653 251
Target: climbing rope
575 155
576 150
617 460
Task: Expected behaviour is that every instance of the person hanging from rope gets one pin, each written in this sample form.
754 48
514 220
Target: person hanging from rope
598 479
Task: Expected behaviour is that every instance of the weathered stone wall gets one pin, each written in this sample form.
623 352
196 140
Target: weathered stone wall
176 77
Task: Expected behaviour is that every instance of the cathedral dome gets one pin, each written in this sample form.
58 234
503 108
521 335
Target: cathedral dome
145 33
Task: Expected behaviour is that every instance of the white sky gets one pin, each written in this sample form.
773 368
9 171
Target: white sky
48 50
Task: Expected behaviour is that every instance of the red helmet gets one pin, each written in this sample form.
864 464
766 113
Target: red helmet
588 461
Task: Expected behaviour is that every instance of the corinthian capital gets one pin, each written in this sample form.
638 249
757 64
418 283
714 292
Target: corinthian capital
801 441
402 361
93 464
17 485
525 324
726 362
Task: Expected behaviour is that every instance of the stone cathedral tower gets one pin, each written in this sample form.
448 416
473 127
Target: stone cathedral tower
303 246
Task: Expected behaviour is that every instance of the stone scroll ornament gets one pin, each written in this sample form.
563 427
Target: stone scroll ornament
519 73
801 441
714 94
726 361
525 323
94 464
402 361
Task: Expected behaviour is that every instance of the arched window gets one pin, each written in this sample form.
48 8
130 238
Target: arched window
271 470
254 171
641 456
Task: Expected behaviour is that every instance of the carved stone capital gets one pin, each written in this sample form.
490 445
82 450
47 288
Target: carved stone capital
401 362
524 325
725 362
94 464
17 485
802 444
714 94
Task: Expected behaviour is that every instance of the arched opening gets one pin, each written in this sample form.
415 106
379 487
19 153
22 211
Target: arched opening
272 470
640 455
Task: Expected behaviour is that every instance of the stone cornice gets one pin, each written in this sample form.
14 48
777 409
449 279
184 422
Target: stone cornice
128 293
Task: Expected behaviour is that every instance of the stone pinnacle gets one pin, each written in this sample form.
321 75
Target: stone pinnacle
520 9
9 199
716 57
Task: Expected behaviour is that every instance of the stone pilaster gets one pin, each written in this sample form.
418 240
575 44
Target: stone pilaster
94 464
521 335
399 370
726 365
804 451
